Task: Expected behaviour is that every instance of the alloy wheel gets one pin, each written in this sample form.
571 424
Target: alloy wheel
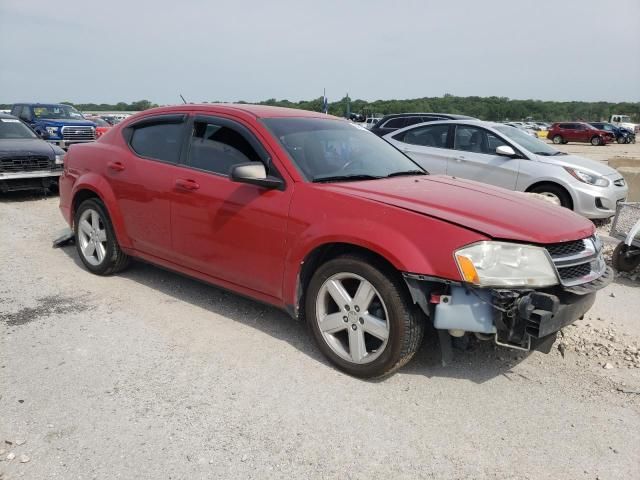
92 237
352 318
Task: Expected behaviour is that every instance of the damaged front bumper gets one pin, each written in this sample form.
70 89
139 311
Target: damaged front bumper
523 319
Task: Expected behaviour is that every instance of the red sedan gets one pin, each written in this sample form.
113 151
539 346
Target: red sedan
579 132
102 126
329 222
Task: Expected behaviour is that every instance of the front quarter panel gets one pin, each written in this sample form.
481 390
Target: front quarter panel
411 242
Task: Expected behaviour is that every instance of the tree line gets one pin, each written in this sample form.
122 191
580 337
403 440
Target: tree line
485 108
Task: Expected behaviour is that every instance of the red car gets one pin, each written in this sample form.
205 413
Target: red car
102 126
332 224
579 132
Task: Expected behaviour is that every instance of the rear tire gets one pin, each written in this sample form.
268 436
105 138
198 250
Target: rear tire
596 141
554 191
557 139
96 241
621 262
621 139
358 345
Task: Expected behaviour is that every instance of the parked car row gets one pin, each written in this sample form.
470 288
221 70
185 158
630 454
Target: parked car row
33 139
338 227
26 161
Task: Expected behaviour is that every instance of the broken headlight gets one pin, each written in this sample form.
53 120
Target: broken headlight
502 264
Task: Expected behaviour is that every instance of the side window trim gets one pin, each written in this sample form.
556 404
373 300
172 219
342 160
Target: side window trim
174 118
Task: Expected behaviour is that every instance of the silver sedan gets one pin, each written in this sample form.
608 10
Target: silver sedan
507 157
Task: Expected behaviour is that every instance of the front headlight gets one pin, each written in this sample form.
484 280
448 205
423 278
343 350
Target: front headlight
501 264
60 159
589 178
53 131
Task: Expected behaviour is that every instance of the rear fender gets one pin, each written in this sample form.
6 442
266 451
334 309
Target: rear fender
98 185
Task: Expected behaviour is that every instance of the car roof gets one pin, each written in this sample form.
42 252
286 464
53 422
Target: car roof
434 114
471 121
257 111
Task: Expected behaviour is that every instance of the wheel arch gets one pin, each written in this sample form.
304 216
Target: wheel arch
94 186
321 254
554 183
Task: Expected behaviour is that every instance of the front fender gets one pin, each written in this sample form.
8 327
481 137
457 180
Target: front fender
409 241
98 185
548 179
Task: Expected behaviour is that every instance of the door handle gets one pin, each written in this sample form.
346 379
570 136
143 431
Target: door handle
117 166
186 184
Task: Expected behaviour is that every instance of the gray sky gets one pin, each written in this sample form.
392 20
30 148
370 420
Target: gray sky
114 50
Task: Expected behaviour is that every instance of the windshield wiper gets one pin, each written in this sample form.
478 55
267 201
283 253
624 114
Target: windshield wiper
345 178
407 172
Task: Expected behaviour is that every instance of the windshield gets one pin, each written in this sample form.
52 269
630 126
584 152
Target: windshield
57 112
335 150
527 141
12 128
625 118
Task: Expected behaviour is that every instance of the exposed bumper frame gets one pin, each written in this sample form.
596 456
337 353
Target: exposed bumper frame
522 318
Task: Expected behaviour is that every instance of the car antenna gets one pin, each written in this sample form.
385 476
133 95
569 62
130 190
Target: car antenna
183 100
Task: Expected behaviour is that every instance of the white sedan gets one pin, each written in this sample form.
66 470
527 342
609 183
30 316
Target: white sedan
507 157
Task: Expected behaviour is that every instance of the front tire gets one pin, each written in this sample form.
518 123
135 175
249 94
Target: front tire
556 192
96 242
361 317
596 141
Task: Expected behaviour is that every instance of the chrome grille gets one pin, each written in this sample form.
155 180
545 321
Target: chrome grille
577 271
24 164
579 261
566 248
71 133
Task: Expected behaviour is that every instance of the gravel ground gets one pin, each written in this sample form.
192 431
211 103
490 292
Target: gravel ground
603 153
151 375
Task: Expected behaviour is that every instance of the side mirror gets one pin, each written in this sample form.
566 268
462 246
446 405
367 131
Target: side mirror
505 151
254 173
43 134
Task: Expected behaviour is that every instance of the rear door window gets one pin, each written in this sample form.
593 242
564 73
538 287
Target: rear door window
159 141
430 136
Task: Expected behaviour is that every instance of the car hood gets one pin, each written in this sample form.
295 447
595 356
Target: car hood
58 122
574 161
27 146
492 211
